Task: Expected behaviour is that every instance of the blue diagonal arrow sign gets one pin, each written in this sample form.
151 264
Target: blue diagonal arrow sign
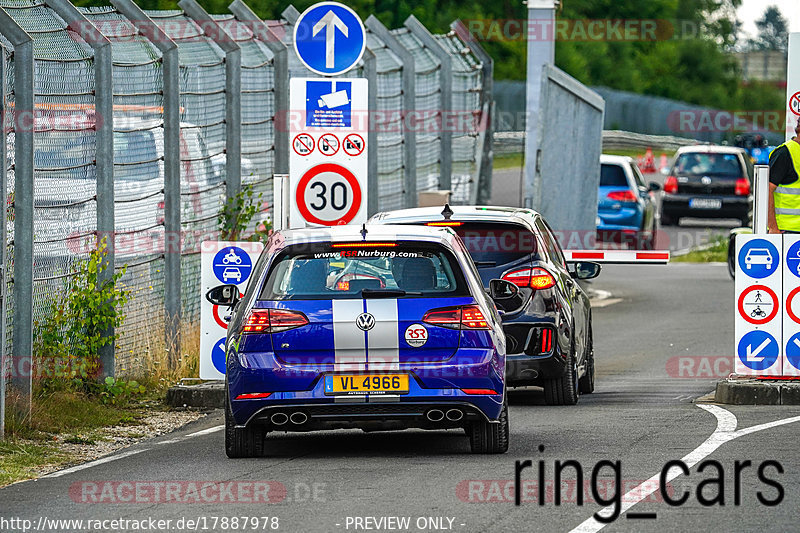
329 38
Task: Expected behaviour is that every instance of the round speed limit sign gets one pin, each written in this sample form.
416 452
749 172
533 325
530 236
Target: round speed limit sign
329 195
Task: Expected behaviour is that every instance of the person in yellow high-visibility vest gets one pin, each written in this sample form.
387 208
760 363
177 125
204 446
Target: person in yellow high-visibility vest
783 211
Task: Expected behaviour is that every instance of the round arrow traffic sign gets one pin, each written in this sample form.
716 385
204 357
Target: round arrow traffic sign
329 195
329 38
794 103
758 304
758 350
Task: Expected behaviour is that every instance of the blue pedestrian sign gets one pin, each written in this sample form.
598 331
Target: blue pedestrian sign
232 265
329 38
758 350
759 258
793 259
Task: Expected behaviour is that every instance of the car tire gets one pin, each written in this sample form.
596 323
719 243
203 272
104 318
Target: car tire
241 442
563 390
487 437
586 383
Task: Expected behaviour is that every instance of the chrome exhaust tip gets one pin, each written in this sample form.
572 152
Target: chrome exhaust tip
298 418
454 415
434 415
279 419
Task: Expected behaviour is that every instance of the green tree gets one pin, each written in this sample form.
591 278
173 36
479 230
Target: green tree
773 31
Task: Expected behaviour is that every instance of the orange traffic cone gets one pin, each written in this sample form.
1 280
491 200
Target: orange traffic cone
664 163
649 161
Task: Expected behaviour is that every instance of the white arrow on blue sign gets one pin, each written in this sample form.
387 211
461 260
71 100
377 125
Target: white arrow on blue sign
329 38
758 350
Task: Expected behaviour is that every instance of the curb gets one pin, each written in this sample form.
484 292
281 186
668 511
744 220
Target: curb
210 395
757 392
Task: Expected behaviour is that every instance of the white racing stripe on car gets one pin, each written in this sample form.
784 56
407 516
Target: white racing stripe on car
383 347
350 343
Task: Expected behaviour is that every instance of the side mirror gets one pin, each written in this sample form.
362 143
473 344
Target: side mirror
586 270
500 289
654 187
224 295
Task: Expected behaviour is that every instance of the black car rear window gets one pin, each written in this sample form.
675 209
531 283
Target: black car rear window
612 176
496 243
709 164
340 271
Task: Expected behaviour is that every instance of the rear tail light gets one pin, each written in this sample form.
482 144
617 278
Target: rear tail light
535 278
671 185
479 391
622 196
273 320
464 317
253 395
542 341
742 187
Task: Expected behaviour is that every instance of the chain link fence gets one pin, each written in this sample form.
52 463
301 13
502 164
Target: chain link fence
67 193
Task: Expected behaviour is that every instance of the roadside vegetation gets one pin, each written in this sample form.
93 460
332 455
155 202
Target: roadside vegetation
714 252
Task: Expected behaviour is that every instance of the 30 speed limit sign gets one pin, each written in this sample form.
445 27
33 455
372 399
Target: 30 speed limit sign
328 170
329 195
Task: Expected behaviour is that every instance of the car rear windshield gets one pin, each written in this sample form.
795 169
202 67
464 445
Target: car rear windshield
496 243
709 164
612 176
341 271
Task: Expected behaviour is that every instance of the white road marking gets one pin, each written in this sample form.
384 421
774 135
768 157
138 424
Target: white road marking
203 432
96 462
726 431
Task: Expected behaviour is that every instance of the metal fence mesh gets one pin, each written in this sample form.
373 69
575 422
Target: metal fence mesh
428 108
7 138
65 178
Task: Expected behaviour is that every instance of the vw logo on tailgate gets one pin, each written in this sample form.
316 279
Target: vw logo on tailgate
365 321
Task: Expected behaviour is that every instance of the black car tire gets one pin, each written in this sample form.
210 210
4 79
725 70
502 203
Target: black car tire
586 383
563 390
487 437
241 442
732 256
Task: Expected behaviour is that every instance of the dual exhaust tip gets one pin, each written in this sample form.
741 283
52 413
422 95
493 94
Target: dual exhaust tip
437 415
297 418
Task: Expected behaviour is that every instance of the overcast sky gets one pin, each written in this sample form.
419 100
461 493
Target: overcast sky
753 10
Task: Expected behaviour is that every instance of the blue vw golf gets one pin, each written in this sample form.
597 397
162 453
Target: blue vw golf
374 327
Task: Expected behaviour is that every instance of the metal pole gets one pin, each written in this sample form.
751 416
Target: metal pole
792 84
172 171
280 63
371 73
22 359
3 241
104 149
487 106
233 93
760 199
409 103
446 81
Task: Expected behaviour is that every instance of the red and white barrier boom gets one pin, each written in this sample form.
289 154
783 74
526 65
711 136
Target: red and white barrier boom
659 257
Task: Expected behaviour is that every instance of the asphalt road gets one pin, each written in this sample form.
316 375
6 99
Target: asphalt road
652 336
691 232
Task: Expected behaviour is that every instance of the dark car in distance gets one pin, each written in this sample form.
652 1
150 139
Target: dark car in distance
548 325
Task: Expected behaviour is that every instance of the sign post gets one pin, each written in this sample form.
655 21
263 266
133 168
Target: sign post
221 263
793 85
759 286
760 196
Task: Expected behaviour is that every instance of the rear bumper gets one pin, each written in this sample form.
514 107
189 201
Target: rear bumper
677 205
531 370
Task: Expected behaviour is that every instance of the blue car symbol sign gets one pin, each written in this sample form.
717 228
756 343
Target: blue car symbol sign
759 258
232 265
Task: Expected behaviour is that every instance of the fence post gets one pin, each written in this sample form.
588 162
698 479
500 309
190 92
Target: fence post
409 95
371 73
446 81
104 148
22 335
280 62
3 241
233 93
172 170
487 108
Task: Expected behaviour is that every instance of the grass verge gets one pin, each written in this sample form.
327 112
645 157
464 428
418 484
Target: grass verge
714 252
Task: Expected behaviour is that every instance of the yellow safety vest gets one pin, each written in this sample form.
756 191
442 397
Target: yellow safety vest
787 197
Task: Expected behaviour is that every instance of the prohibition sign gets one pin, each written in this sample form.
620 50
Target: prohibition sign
794 103
218 319
772 313
303 144
328 144
342 177
353 144
789 299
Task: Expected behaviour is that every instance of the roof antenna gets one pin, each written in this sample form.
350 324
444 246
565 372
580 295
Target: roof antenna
364 231
447 212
